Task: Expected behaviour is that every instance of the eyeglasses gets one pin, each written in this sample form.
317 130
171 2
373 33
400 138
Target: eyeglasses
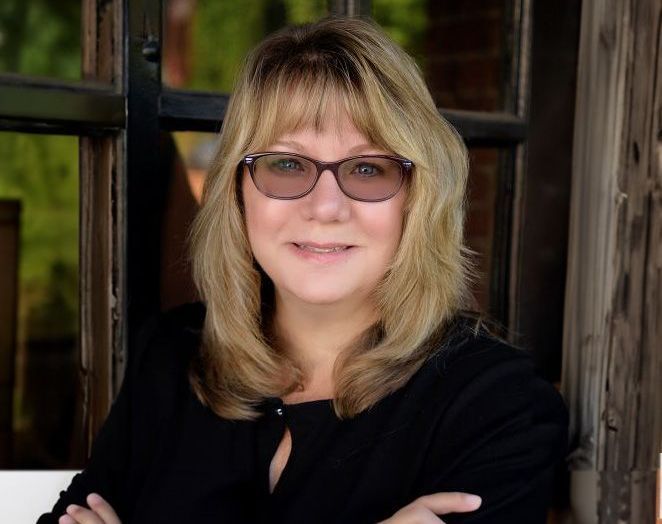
368 178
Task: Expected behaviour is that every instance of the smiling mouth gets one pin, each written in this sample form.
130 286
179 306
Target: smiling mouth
316 249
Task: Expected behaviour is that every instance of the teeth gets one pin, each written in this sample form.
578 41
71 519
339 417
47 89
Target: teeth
322 249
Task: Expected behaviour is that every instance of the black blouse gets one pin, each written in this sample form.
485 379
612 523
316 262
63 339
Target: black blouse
475 418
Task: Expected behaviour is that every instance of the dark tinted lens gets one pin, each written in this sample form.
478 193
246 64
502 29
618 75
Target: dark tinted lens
283 176
370 178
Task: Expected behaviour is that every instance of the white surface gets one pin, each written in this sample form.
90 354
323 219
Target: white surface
24 495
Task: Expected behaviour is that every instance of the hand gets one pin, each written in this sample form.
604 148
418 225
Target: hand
425 509
100 513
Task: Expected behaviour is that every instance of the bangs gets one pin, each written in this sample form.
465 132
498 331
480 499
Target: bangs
291 100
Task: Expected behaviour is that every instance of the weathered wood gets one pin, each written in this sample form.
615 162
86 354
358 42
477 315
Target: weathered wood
102 222
511 193
79 106
612 371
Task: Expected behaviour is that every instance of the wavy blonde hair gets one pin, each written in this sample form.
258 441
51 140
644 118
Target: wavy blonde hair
301 76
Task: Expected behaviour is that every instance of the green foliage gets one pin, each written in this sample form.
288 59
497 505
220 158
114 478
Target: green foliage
40 37
224 32
405 21
56 316
41 172
300 12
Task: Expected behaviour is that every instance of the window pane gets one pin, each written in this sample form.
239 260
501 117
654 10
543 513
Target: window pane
488 215
39 199
41 37
189 156
463 48
207 40
195 151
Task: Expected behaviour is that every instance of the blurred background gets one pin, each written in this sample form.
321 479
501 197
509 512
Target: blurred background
109 113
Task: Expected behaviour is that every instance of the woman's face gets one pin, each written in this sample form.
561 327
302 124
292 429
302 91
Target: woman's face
284 233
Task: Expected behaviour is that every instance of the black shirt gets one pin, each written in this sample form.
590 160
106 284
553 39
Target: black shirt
475 418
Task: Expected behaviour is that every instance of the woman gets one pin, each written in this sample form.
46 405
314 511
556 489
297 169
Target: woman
328 374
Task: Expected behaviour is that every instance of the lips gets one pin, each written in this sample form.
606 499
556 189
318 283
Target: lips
327 253
322 248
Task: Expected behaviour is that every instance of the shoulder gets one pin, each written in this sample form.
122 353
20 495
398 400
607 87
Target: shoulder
494 427
472 370
467 351
182 321
165 342
187 317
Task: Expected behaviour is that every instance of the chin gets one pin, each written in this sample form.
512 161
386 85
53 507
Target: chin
321 298
321 295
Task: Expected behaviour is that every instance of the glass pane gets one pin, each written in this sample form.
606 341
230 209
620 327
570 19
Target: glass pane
206 40
190 155
41 37
463 48
195 151
485 217
39 306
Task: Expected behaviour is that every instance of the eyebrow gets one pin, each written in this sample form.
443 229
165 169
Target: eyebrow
297 145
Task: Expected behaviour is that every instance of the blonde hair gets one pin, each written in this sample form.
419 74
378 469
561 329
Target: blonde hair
298 77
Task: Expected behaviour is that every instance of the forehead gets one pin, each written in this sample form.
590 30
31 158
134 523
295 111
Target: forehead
336 129
313 110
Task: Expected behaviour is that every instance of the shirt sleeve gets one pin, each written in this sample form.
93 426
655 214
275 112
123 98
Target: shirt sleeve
107 469
501 439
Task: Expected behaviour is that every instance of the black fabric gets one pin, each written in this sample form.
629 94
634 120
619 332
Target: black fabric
475 417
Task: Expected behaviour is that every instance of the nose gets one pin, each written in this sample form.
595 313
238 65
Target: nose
326 202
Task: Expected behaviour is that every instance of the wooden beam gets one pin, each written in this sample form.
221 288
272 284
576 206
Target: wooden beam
76 106
481 129
181 110
612 370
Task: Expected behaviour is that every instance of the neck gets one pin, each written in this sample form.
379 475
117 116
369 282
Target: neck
314 335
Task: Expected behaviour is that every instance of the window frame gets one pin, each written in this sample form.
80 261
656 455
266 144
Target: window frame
118 110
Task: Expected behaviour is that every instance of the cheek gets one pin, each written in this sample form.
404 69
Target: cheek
384 226
253 213
264 216
383 229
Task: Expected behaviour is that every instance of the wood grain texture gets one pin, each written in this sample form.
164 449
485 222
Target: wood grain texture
102 227
612 371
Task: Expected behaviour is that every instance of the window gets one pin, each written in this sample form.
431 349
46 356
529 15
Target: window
39 197
145 118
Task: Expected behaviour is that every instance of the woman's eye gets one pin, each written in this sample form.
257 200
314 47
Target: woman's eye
367 170
287 164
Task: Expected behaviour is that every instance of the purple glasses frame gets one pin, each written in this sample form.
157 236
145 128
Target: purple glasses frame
406 167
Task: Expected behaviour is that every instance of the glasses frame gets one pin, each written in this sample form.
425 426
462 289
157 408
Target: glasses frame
406 167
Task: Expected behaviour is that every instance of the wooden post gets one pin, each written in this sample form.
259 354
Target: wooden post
102 227
612 360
